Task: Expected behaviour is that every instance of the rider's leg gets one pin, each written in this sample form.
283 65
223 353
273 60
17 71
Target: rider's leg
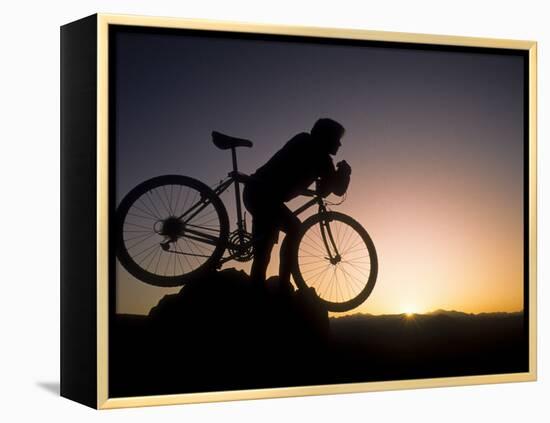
265 228
290 224
263 240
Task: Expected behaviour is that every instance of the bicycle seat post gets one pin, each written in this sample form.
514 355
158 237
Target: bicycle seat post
234 157
237 193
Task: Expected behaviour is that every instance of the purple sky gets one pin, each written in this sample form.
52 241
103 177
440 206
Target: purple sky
435 140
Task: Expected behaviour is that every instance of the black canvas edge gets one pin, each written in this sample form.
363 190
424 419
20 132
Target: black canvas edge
78 327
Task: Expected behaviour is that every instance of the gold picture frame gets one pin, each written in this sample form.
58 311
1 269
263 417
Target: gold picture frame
97 395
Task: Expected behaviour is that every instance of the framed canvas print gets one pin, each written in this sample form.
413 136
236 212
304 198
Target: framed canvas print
253 211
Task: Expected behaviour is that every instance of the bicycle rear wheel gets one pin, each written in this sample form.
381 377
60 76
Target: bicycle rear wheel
344 277
170 229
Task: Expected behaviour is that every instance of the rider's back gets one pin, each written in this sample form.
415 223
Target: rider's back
293 168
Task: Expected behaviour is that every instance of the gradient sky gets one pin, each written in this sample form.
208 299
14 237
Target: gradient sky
435 141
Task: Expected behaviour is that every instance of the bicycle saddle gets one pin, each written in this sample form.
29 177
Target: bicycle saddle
226 142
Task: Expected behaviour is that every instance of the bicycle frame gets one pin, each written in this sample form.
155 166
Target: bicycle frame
236 178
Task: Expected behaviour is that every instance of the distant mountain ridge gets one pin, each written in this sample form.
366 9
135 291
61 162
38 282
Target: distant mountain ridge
456 313
438 312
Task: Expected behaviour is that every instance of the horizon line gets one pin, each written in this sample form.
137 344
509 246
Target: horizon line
441 310
335 316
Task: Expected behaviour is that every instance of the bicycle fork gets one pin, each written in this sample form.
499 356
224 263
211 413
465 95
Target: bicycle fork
333 255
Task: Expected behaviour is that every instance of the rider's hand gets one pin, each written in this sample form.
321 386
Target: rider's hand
344 167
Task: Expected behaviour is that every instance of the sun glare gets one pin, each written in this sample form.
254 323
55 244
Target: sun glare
409 312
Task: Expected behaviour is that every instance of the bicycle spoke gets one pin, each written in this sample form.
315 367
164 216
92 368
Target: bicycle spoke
184 201
193 201
185 257
344 286
149 196
145 209
353 279
158 261
359 270
153 257
314 261
210 211
318 240
319 249
322 278
170 203
337 230
197 236
139 242
152 252
315 268
140 216
192 251
347 240
144 250
206 228
178 256
138 226
201 249
136 236
357 244
309 255
177 200
162 199
336 280
330 285
145 214
154 201
206 222
317 276
167 264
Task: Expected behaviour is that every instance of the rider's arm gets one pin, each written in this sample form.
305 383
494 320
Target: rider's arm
334 180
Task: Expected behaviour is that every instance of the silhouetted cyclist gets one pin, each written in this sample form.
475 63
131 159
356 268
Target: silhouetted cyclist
301 161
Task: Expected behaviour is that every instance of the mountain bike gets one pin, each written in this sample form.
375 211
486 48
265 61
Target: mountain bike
172 228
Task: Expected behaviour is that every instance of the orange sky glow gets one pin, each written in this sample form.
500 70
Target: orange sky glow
434 139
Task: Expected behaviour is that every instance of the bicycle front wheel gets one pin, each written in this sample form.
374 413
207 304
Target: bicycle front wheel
335 255
170 229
